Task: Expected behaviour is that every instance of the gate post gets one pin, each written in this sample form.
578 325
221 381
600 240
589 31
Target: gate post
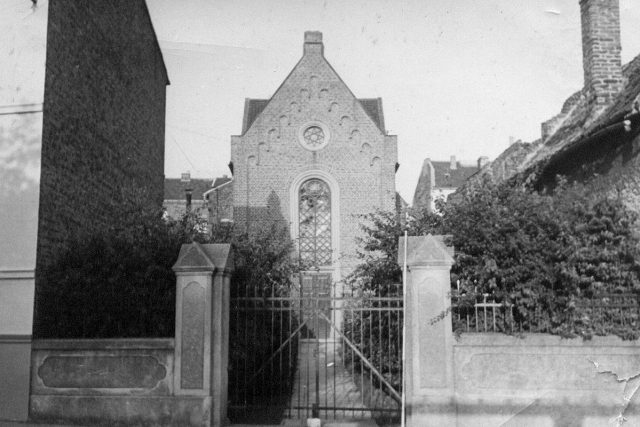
428 361
202 330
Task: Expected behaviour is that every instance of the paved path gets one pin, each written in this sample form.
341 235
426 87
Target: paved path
335 383
5 423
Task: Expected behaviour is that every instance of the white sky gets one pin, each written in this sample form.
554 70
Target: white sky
457 77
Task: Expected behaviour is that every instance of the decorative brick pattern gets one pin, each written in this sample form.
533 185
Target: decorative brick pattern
269 157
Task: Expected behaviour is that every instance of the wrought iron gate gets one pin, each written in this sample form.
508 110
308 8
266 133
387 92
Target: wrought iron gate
304 351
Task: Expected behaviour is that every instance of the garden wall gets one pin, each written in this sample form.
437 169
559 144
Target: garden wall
491 379
147 381
544 380
119 381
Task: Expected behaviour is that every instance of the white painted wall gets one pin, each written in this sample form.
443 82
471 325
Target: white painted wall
22 72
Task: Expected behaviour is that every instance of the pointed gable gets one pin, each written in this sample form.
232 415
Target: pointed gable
314 77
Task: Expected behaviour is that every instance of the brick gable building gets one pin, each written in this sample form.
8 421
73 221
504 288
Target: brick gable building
440 179
313 157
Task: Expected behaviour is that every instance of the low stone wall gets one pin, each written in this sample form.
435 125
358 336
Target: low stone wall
481 379
544 380
124 381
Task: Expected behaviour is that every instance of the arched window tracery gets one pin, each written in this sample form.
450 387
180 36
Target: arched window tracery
314 208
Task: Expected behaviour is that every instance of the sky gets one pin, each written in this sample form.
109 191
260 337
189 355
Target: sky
457 77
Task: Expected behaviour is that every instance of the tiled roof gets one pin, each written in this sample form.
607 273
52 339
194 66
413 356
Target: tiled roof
174 188
220 180
373 107
573 140
451 178
572 136
253 108
624 101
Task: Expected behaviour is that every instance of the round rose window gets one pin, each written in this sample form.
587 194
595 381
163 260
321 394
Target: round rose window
313 136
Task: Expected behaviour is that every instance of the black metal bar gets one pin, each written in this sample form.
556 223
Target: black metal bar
393 392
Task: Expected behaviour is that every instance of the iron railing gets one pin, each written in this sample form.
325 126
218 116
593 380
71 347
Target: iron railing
305 351
600 313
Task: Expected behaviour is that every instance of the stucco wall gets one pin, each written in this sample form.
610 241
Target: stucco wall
544 380
119 382
493 379
24 32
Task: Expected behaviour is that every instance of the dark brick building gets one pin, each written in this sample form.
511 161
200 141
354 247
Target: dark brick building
103 116
82 130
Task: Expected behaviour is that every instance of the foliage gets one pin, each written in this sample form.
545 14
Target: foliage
115 280
544 255
264 268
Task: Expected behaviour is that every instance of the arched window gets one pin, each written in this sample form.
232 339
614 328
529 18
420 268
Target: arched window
314 207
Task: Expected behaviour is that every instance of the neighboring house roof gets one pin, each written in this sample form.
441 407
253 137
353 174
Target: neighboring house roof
581 143
574 142
253 108
220 181
174 188
445 177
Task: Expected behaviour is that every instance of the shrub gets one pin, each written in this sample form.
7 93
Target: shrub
545 255
115 281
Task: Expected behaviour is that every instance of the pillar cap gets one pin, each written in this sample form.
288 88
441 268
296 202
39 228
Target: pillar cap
204 257
426 250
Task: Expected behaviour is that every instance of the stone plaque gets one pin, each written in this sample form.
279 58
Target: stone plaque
98 371
193 318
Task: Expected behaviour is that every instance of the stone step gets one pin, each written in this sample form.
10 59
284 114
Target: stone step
350 423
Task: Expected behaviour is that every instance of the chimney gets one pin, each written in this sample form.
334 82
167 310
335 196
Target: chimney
453 165
313 43
188 194
482 161
601 59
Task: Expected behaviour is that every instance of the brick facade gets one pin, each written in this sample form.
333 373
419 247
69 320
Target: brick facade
104 111
220 200
270 162
438 180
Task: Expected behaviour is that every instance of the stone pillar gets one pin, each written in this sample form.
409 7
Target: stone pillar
202 329
428 364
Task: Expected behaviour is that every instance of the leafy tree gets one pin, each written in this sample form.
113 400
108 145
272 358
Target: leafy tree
115 281
547 257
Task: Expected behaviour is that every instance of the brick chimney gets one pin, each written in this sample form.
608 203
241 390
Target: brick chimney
601 47
313 43
453 165
482 161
